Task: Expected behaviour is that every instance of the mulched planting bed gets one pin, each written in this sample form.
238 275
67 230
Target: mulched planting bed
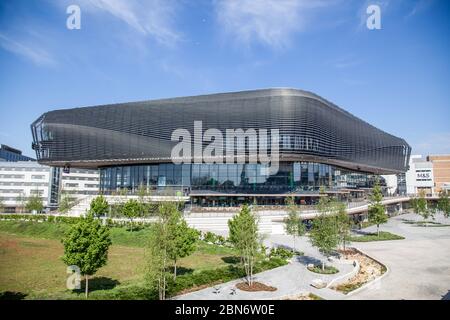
256 286
310 296
326 270
369 270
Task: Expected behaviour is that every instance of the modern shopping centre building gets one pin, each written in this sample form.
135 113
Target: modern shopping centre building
314 142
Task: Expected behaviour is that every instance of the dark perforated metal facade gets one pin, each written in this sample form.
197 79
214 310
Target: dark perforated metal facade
311 129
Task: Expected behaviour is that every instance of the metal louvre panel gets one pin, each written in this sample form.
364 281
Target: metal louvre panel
140 131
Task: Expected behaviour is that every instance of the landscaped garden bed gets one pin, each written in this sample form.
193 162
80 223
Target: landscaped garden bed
256 286
309 296
325 270
426 223
383 236
369 270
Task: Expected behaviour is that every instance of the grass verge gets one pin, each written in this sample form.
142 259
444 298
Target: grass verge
325 270
383 236
31 252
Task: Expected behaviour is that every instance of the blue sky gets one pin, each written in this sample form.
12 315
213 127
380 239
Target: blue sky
396 78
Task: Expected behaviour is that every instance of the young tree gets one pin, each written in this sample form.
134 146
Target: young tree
131 209
156 259
293 223
34 203
99 206
325 205
324 235
160 244
421 208
243 234
2 207
21 201
86 246
343 223
143 193
183 240
443 203
66 202
377 212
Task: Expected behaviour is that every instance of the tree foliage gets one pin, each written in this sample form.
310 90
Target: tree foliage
443 203
131 209
21 200
293 223
86 245
99 206
243 234
343 223
143 198
420 206
377 211
66 202
324 234
160 246
34 203
183 240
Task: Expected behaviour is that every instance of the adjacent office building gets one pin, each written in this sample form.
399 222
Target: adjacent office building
419 177
21 179
441 171
80 182
319 145
11 154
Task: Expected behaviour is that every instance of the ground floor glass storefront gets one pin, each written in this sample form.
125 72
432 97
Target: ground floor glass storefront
231 178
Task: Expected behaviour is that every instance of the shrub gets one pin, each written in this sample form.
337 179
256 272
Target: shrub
218 275
210 237
282 253
325 270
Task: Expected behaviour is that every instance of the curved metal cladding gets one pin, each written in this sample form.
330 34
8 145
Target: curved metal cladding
310 128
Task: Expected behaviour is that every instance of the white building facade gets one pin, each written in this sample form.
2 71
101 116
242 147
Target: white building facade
20 180
80 182
419 176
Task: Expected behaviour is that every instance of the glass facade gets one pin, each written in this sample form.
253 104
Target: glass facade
232 178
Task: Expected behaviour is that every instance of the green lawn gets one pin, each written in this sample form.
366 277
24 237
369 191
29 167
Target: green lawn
426 223
384 235
325 270
51 230
31 265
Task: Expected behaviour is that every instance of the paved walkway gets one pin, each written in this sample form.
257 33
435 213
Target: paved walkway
289 280
419 267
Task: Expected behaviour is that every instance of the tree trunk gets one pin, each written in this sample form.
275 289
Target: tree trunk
293 249
251 271
175 270
323 265
378 230
86 287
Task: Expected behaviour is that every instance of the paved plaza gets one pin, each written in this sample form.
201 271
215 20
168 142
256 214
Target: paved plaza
419 267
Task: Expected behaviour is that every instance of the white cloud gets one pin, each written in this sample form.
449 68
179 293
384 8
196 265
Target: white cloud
271 22
31 52
419 6
153 18
346 62
435 143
